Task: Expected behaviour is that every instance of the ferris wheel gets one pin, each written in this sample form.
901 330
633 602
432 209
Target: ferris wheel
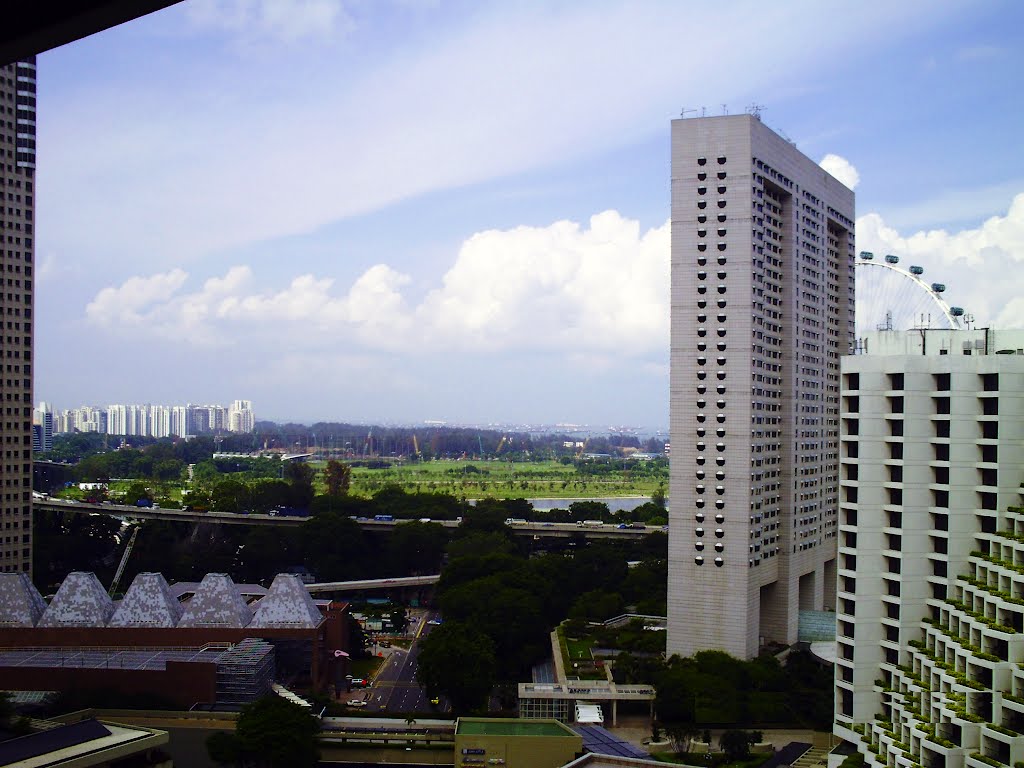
890 297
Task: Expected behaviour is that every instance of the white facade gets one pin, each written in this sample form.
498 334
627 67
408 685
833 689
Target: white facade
930 603
762 310
241 417
117 419
159 420
179 420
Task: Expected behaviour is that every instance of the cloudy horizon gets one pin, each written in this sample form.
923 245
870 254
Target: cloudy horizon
350 211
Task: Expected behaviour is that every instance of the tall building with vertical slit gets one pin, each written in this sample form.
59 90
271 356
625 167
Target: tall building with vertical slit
762 311
17 206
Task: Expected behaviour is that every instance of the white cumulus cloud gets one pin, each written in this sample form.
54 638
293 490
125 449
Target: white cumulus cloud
981 266
126 304
842 169
563 287
594 292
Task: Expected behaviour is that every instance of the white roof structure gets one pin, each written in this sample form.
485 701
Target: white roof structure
216 603
589 714
81 601
287 604
21 605
148 603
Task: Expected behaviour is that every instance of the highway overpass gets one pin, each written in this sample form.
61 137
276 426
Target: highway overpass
361 584
532 529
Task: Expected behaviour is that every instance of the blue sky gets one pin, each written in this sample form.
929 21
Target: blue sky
413 210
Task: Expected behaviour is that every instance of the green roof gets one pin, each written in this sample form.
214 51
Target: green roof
511 728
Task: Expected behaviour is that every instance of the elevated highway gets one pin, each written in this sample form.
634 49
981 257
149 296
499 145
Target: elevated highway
363 584
531 529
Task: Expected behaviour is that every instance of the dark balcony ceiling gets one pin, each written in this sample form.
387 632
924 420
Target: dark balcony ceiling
34 26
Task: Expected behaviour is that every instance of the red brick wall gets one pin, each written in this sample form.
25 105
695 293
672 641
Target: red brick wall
184 683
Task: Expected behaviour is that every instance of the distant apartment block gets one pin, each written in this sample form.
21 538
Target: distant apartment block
930 606
156 420
762 310
42 428
241 417
17 255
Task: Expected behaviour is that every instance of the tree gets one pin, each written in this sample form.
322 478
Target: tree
477 544
137 492
337 478
588 510
736 743
300 476
658 498
271 732
674 697
417 547
597 605
682 735
458 661
222 747
333 547
230 496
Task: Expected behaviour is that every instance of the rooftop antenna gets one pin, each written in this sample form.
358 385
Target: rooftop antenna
684 112
703 111
755 110
725 109
968 320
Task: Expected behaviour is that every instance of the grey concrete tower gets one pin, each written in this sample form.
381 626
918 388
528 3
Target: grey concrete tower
762 310
17 206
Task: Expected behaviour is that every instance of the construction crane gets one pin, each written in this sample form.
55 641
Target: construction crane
369 443
415 447
124 560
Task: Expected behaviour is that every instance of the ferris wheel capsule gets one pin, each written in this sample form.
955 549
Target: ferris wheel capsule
890 296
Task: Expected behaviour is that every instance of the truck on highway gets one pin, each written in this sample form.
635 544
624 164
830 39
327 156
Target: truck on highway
384 518
515 521
589 523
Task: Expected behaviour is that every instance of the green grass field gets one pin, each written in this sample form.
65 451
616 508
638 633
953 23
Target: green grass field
501 479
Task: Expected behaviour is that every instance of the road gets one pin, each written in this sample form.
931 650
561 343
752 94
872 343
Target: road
395 689
124 512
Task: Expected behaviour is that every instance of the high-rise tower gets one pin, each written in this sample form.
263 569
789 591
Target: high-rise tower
17 206
762 310
930 617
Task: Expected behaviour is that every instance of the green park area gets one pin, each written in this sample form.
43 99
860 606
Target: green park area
515 480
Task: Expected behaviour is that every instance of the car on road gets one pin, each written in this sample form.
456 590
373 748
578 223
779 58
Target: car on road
436 700
356 703
435 622
359 682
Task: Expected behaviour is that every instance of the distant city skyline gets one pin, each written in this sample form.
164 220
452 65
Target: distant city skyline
143 419
369 212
